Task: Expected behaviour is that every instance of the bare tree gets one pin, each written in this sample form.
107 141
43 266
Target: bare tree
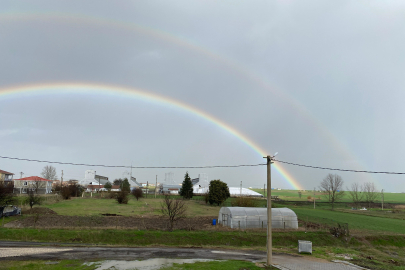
370 192
356 194
33 199
49 172
36 185
331 186
174 209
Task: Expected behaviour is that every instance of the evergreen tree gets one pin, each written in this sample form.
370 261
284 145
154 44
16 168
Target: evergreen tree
125 186
186 190
218 192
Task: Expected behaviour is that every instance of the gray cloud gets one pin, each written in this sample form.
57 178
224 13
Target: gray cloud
319 82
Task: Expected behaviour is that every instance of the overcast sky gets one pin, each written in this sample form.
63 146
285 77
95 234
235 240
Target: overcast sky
320 82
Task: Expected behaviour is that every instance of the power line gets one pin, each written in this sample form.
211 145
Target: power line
196 167
334 169
135 167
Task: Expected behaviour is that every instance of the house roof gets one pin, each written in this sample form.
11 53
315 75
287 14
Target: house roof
4 172
33 178
115 187
95 186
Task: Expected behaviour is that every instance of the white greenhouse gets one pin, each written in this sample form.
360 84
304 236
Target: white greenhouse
255 217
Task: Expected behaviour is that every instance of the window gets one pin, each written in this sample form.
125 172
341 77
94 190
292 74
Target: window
25 183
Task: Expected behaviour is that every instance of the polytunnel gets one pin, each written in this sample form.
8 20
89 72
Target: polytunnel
254 217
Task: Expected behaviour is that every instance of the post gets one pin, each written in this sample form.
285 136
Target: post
264 190
155 186
240 188
269 237
314 198
61 179
147 188
382 195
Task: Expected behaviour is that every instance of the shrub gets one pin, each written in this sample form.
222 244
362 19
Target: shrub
122 197
72 190
125 186
33 199
137 193
218 192
65 192
245 202
108 186
6 193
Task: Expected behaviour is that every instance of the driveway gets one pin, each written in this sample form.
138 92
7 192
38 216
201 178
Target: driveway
48 251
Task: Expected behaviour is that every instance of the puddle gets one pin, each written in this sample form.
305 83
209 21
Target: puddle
150 264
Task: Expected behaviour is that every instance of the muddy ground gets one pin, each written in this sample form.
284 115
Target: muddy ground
47 218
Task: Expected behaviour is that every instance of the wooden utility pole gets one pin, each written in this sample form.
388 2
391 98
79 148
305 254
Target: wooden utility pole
269 236
155 186
147 188
61 179
314 198
382 195
240 188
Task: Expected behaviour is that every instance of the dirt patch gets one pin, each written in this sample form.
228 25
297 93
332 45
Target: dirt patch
39 210
110 222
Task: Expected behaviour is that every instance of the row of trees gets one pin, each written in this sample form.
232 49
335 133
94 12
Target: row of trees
217 194
332 186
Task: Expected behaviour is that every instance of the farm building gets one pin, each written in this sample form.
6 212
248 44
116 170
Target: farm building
234 191
254 217
169 189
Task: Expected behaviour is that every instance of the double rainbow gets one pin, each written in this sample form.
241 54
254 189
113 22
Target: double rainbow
85 88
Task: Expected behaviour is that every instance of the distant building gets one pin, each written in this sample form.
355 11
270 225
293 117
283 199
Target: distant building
95 188
91 178
32 183
6 176
169 189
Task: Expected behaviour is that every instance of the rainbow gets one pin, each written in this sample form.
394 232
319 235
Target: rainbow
296 105
86 88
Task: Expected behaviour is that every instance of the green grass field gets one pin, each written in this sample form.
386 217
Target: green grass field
355 220
293 195
373 233
149 206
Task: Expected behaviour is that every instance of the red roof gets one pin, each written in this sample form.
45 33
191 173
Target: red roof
4 172
32 178
95 186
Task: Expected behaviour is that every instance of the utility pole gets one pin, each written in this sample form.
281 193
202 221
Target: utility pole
264 190
269 237
240 188
155 186
382 195
61 179
147 188
314 198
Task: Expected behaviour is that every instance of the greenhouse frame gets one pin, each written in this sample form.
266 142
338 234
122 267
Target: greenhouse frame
255 217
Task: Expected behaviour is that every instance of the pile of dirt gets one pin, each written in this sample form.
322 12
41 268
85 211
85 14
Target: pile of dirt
110 222
39 210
